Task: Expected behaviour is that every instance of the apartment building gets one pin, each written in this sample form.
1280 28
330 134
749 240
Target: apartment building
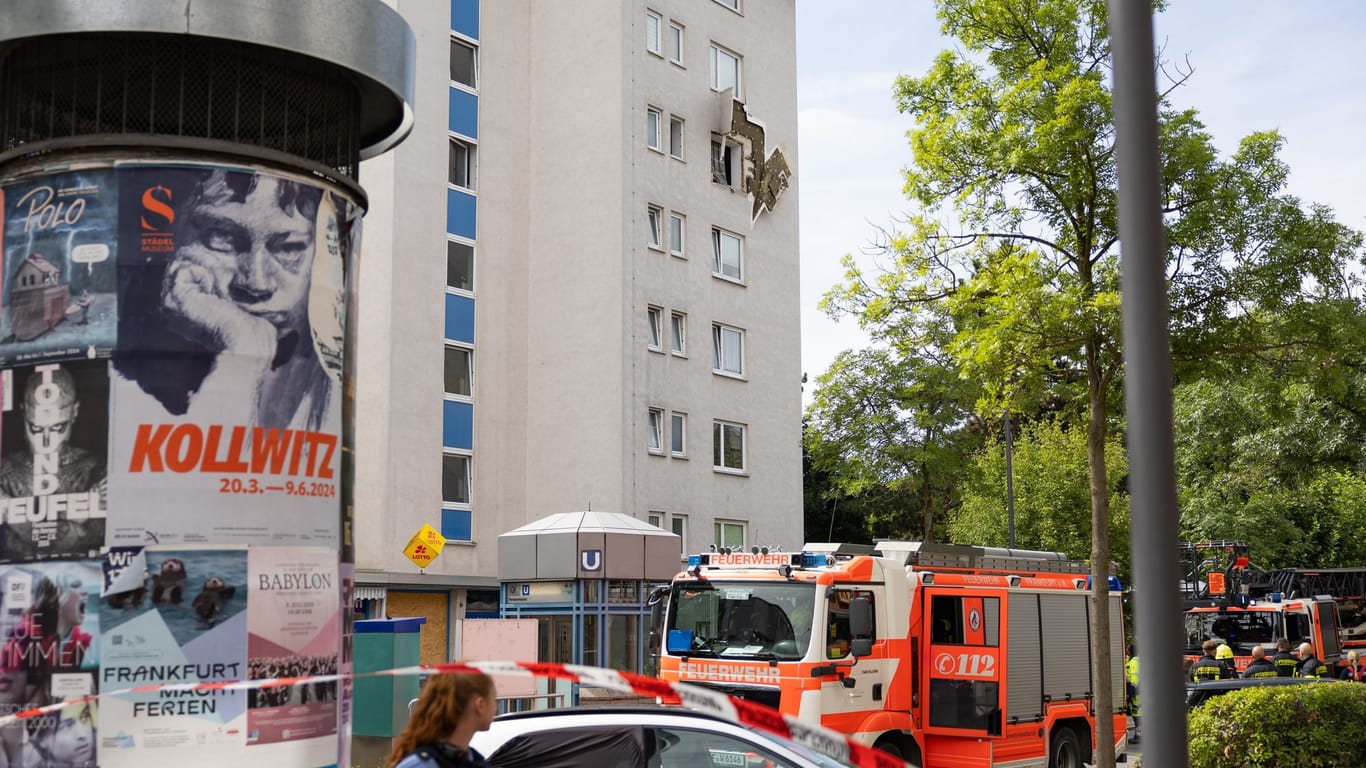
614 325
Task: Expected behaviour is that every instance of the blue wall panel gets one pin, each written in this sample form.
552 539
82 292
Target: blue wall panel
460 213
460 318
465 17
455 524
457 425
464 113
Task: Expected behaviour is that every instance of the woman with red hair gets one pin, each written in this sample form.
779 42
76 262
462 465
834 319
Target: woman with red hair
452 708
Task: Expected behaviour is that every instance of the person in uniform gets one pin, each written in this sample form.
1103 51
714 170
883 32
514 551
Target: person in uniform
1284 660
1310 666
1209 668
1260 666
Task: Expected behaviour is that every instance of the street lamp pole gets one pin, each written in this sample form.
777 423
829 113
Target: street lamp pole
1010 485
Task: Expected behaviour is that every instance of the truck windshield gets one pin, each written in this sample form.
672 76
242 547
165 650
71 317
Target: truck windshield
741 619
1240 630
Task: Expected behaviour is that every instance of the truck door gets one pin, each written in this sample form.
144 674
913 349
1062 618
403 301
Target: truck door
1326 630
850 684
964 682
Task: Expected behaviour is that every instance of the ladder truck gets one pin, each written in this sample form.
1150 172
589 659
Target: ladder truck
945 655
1231 600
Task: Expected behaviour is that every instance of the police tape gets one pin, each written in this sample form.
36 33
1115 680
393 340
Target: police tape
687 695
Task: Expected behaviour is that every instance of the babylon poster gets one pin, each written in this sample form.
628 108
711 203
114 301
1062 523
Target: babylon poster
226 382
294 630
178 616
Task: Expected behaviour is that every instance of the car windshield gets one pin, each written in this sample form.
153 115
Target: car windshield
741 619
1240 630
825 761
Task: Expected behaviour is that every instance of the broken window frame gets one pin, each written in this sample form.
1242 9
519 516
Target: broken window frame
727 162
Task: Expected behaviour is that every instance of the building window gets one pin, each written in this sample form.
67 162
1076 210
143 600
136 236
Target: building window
455 479
464 64
676 233
459 265
459 370
727 533
678 333
734 5
725 70
461 168
656 222
652 26
673 43
725 162
678 434
726 255
727 350
679 525
655 438
653 120
655 317
655 518
728 446
676 137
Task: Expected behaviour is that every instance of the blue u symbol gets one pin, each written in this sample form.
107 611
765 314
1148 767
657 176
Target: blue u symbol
591 559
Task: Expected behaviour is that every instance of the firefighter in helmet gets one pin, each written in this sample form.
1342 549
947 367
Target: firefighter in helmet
1209 668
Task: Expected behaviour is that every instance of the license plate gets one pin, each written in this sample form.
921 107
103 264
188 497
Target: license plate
729 758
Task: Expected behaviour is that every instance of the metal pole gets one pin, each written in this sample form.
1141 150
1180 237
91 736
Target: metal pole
1147 360
1010 485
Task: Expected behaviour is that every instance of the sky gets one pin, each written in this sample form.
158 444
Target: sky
1293 65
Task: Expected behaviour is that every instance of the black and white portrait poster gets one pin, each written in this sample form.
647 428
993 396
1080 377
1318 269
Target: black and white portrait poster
53 468
227 373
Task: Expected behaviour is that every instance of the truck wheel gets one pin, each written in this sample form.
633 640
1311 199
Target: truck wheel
1064 751
893 747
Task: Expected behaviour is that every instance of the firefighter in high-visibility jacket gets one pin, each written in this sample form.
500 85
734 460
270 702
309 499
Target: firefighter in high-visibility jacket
1131 676
1310 666
1260 666
1284 660
1209 668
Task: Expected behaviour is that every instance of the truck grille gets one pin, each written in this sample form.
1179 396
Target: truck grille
766 695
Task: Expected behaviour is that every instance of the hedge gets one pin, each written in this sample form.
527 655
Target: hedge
1283 726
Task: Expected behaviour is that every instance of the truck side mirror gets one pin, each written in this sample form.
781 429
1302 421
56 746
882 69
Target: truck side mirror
861 626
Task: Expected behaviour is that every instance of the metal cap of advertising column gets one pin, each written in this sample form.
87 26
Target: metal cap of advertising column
180 217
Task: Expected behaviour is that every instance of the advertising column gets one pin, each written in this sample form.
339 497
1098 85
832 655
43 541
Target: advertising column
170 461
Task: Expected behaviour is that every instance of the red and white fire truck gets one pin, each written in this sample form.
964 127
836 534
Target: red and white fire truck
946 655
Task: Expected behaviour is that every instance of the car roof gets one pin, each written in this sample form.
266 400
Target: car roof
509 726
1253 682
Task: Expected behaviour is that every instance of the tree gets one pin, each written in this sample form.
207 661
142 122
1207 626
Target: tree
1052 485
890 426
1016 240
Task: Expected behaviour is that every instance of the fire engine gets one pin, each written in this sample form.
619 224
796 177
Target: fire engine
942 654
1233 601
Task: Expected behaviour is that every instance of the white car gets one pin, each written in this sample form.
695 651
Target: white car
636 737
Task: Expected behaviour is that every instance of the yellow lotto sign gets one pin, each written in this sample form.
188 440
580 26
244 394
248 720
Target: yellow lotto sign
424 546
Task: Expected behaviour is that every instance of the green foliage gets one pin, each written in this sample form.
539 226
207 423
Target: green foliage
1052 496
1297 726
888 426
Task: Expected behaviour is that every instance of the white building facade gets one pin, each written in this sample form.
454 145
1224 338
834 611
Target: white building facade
615 322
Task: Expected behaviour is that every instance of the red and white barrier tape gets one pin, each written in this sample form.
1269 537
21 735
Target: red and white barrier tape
746 713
